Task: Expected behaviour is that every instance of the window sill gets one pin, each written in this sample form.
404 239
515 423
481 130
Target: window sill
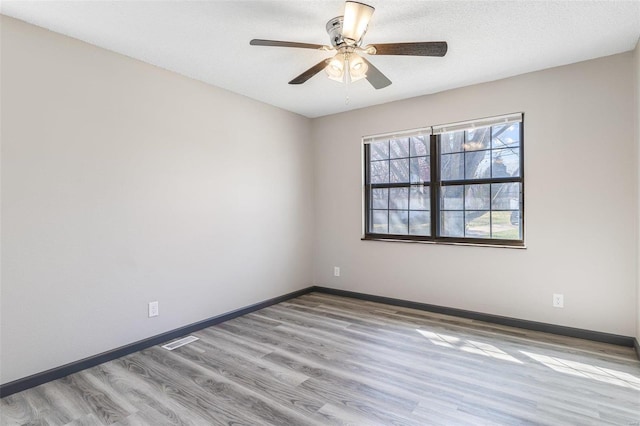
444 242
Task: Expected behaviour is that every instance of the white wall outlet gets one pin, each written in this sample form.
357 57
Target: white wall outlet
336 271
558 301
154 309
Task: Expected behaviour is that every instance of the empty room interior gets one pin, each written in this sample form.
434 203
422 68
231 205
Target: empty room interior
320 212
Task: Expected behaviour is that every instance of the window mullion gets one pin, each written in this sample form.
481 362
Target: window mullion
389 190
490 185
434 142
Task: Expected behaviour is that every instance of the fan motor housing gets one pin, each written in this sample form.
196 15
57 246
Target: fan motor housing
334 29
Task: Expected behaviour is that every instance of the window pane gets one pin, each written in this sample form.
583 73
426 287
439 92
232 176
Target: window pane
379 150
477 197
451 142
477 224
419 223
420 198
399 170
380 198
506 225
477 139
452 224
479 185
399 148
399 198
419 146
506 136
379 219
379 172
505 196
477 164
506 162
452 166
399 222
452 197
420 169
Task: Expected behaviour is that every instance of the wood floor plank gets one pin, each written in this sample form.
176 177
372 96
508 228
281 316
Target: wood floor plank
321 359
17 410
404 361
266 381
225 391
212 407
90 419
340 415
98 404
146 398
227 357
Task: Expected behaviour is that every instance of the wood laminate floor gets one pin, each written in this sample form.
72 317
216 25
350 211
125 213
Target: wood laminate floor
321 359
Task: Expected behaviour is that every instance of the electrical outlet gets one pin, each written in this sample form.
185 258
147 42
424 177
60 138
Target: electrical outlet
154 309
558 301
336 271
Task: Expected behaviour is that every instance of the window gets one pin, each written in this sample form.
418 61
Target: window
457 183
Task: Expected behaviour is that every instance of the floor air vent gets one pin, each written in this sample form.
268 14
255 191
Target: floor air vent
180 342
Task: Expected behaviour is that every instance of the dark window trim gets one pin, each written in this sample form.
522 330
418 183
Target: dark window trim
435 186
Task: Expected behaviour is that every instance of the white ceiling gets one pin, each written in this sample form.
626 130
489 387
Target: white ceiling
209 41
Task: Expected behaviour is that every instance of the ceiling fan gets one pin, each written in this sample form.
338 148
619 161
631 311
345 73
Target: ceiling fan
348 64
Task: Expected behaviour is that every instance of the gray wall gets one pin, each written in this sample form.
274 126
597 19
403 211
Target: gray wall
581 202
122 184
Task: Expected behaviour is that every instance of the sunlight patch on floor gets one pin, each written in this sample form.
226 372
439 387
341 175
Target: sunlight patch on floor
488 350
440 339
470 346
589 371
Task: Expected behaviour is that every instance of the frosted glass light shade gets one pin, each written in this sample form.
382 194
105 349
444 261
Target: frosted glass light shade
335 68
357 67
356 19
343 63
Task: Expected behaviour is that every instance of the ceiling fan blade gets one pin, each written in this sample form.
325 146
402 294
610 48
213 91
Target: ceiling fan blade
356 19
426 48
310 72
276 43
375 76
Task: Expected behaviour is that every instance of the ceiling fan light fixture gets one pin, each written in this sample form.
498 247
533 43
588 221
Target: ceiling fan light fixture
357 67
346 65
335 68
355 21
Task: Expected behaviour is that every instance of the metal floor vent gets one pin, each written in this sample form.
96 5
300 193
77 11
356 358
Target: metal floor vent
180 342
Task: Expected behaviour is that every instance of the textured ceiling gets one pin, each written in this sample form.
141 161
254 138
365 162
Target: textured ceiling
209 41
